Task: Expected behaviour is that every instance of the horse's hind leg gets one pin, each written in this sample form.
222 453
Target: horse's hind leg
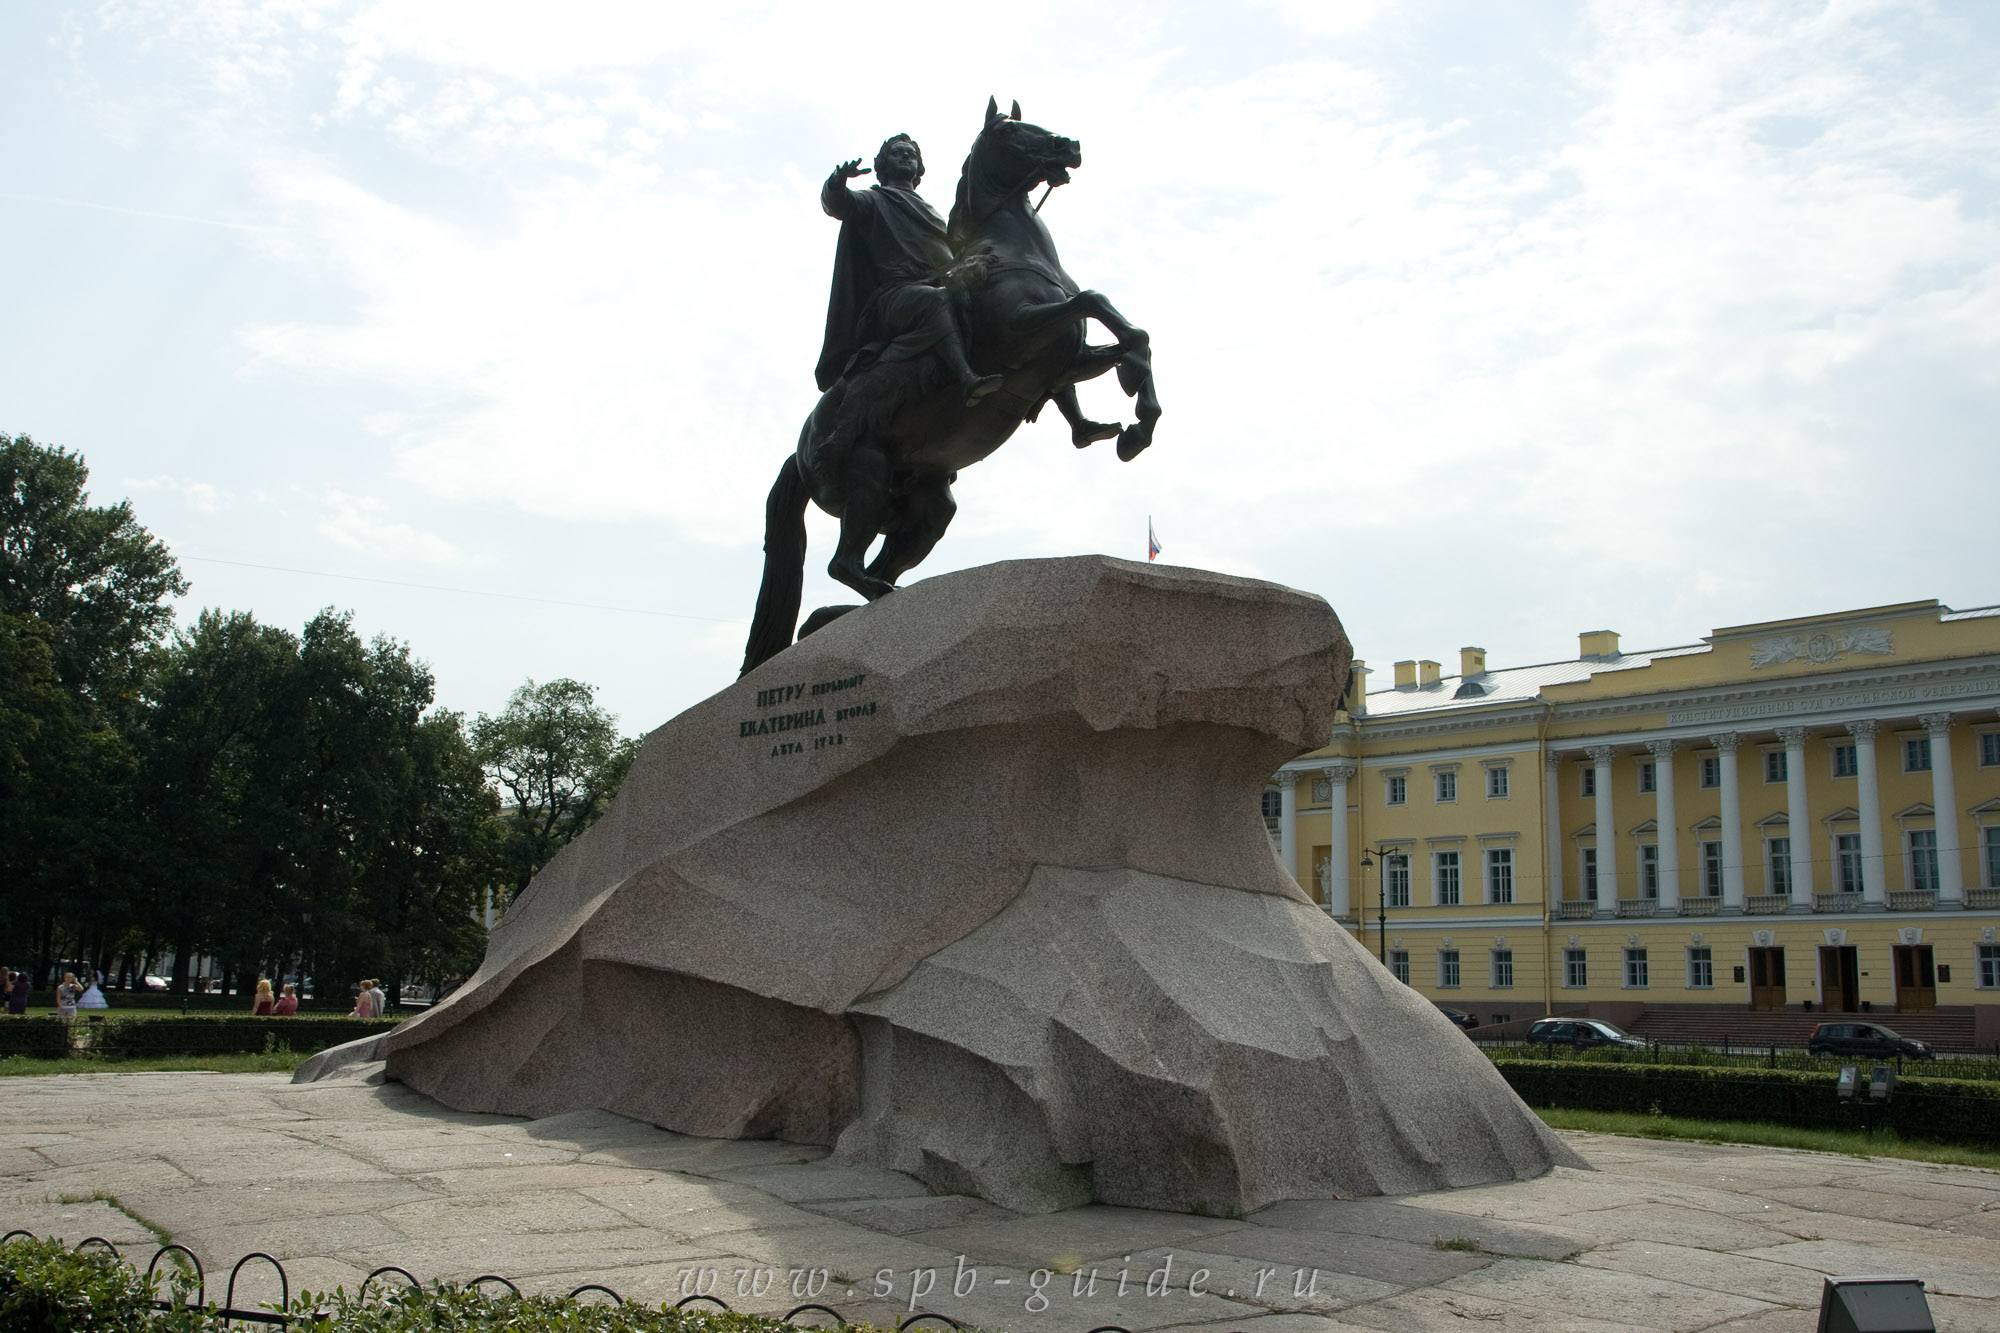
922 513
865 511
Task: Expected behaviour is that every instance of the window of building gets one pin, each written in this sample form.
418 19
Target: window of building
1397 868
1635 969
1576 972
1649 870
1923 860
1448 969
1711 770
1774 766
1398 792
1646 776
1446 874
1711 869
1587 777
1447 785
1990 840
1399 965
1778 856
1503 969
1989 967
1917 755
1989 749
1845 765
1274 804
1701 968
1496 784
1500 875
1587 858
1847 850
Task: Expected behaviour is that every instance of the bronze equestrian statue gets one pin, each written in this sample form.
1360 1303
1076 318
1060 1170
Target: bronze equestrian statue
941 339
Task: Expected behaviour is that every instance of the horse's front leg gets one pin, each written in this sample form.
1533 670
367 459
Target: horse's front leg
1083 432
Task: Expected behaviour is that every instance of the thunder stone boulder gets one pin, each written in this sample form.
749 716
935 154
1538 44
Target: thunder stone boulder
971 883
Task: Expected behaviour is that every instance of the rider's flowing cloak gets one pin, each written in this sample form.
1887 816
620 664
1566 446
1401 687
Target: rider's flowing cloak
889 237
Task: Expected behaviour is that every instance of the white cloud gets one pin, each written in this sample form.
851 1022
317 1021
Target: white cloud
199 496
361 523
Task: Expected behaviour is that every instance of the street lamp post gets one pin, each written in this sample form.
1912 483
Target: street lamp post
1381 900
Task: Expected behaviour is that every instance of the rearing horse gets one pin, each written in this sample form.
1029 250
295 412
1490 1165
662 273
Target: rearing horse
892 477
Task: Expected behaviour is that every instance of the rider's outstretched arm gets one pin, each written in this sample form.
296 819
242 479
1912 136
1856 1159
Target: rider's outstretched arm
834 196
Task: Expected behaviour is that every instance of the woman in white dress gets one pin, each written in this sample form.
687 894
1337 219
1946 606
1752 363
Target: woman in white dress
93 994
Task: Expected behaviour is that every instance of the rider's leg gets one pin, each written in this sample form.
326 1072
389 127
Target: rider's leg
930 308
1083 432
865 506
922 514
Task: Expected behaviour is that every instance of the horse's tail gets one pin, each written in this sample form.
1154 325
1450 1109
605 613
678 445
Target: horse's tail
784 567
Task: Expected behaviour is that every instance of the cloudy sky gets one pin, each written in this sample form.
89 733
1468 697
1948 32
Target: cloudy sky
1491 322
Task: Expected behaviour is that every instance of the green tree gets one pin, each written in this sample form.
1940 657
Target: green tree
93 576
558 760
90 586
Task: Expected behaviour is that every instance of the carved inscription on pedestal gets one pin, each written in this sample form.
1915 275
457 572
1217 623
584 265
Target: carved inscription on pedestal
800 708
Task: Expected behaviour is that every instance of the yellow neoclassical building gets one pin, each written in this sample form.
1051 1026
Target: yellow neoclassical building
1803 813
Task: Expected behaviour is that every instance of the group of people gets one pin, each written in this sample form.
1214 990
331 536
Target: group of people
370 1001
280 1006
71 995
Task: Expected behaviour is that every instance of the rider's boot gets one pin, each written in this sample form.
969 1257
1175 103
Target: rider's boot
978 386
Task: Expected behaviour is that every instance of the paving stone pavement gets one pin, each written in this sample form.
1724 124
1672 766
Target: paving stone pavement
338 1178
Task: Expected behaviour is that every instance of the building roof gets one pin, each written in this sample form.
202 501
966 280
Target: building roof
1511 684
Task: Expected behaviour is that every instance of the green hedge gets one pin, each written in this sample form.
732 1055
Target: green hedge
222 1036
1939 1109
47 1289
47 1038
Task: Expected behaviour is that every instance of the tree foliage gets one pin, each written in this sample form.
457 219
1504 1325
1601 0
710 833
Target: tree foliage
558 758
283 803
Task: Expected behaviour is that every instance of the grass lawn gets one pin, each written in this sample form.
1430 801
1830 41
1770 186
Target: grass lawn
1881 1143
277 1062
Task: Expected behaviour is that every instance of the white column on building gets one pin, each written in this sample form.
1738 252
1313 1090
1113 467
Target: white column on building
1337 868
1669 827
1288 821
1798 828
1868 802
1732 824
1552 805
1607 830
1944 800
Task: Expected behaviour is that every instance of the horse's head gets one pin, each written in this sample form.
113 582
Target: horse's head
1009 158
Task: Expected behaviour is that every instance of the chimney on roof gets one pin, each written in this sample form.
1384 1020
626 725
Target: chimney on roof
1471 662
1597 644
1356 699
1406 675
1427 673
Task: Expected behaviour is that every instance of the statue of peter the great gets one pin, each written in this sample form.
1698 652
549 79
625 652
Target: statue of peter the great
887 271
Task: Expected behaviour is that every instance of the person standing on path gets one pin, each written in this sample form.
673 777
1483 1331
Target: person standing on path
18 993
67 995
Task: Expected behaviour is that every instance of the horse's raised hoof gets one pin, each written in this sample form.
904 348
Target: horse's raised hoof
979 388
1133 440
1086 433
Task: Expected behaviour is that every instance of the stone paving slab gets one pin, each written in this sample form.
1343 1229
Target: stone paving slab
340 1178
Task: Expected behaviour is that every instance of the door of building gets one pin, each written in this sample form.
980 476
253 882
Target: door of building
1767 978
1840 978
1916 979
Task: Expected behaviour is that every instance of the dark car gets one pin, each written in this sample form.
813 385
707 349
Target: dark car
1863 1039
1459 1017
1581 1033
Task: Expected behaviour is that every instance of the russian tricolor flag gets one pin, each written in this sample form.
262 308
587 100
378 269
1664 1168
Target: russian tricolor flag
1152 542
